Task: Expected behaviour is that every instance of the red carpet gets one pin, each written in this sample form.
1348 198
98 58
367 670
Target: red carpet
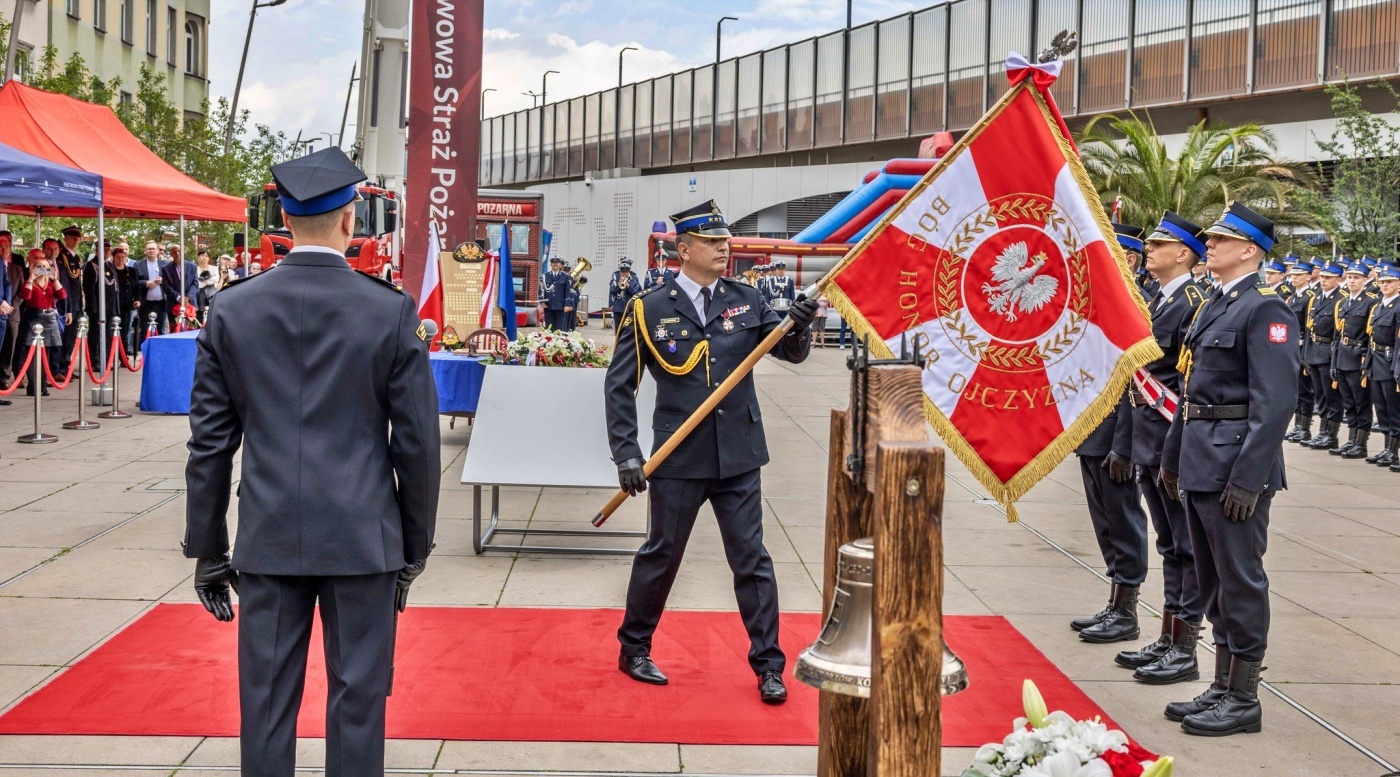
520 674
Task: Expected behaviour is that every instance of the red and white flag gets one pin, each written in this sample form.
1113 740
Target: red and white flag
430 293
488 291
997 262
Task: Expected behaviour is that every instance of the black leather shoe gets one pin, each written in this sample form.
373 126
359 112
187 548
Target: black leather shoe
641 669
1341 448
1238 712
1132 659
770 687
1178 664
1178 710
1080 624
1121 624
5 403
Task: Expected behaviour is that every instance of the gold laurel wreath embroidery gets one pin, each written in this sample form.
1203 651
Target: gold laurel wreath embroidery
1064 339
1021 208
979 224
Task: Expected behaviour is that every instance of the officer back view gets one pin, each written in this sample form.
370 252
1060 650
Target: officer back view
321 374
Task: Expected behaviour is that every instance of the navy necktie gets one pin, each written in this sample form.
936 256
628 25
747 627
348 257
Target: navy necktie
705 308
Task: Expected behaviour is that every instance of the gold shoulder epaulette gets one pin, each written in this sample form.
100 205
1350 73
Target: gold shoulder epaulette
1194 295
647 291
1266 291
379 281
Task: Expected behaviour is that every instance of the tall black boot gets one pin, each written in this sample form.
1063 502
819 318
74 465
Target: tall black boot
1178 665
1080 624
1178 710
1297 432
1376 457
1337 450
1304 430
1133 659
1358 449
1326 436
1121 623
1238 712
1392 442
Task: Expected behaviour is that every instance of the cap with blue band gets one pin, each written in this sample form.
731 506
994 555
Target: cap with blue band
1241 223
1176 229
317 183
1129 237
1332 270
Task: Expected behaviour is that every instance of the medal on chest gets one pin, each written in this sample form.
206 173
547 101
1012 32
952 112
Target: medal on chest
728 325
661 335
671 346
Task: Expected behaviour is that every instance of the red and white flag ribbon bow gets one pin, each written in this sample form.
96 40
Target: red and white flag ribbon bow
998 261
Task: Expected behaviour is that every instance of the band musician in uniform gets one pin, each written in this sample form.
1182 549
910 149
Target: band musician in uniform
1172 249
554 288
321 375
690 334
1223 457
659 272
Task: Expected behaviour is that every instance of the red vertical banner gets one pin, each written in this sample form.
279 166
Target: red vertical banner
444 129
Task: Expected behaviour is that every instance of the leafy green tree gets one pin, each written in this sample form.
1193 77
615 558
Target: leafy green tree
1216 165
1361 208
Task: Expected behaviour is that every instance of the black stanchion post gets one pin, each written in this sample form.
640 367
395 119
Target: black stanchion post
82 424
36 384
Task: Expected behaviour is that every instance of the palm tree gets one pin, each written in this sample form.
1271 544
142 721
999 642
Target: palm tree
1216 165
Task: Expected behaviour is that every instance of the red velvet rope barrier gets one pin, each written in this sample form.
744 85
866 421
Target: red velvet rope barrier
130 366
19 375
72 362
111 359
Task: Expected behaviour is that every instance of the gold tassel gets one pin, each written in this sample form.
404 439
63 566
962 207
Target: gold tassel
1011 514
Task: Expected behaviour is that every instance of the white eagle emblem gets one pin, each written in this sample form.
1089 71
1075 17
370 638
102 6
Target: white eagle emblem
1016 289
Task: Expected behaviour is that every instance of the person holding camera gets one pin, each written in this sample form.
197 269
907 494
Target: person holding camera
207 277
41 294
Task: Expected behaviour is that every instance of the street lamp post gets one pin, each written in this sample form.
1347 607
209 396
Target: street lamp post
238 85
714 81
533 97
483 101
845 69
625 49
544 84
617 108
719 28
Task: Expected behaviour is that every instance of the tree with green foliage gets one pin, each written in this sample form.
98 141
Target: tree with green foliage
1216 165
1360 210
192 145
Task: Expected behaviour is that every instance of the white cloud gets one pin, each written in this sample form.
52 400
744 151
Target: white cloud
500 33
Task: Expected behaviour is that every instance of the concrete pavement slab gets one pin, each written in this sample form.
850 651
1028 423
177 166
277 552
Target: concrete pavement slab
115 751
112 573
311 753
15 681
559 756
53 632
14 561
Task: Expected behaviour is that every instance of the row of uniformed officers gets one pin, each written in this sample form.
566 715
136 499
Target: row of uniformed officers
1207 471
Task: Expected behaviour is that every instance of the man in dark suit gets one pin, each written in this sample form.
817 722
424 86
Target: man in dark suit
554 294
68 266
179 289
150 292
1224 458
690 333
1172 250
1115 511
323 373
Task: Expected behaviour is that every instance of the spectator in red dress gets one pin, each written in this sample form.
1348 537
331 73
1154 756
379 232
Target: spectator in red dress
41 294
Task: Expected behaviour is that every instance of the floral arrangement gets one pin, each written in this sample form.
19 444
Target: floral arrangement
1055 745
550 348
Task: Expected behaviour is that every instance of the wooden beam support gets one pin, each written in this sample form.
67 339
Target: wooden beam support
907 640
895 414
843 721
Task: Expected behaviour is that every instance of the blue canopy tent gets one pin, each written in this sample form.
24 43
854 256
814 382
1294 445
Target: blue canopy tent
30 185
33 186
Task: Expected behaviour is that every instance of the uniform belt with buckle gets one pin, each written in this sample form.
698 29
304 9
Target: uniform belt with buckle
1317 339
1137 398
1196 412
1349 341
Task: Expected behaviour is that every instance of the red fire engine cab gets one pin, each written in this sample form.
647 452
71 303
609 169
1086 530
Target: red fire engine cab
373 249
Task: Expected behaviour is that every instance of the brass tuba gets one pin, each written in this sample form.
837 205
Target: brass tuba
580 267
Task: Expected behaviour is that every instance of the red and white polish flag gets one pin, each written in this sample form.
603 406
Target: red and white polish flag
998 263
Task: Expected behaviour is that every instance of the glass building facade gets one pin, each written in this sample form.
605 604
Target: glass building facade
940 69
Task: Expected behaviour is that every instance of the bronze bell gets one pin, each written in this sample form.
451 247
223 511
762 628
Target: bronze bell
839 661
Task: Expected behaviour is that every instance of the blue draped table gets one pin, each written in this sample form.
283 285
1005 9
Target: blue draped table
168 376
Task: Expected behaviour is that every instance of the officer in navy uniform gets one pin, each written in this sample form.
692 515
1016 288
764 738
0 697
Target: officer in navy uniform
623 287
1300 277
1120 526
1349 350
690 334
1381 361
321 375
780 286
1224 458
659 272
1322 332
1173 248
554 294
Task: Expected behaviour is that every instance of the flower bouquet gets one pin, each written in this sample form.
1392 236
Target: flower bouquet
1055 745
550 348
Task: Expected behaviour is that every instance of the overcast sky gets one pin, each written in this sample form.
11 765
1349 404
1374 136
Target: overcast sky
300 58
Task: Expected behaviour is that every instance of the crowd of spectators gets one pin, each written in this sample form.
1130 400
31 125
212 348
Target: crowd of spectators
56 284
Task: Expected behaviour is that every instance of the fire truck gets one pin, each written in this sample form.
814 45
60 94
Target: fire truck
373 249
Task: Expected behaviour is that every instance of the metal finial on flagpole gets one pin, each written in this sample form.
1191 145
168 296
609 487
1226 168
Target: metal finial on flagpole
1061 45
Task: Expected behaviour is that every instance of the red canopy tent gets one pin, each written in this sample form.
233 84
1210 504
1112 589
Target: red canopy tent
136 182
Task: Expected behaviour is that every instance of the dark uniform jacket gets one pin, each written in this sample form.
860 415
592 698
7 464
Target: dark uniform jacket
319 370
1171 318
1298 303
1353 313
657 276
555 289
730 440
1383 329
775 287
1114 435
1243 352
69 269
1322 327
620 291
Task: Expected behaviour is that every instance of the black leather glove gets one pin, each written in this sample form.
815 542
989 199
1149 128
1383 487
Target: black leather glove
631 477
1239 502
1120 468
212 579
407 575
802 313
1334 374
1171 483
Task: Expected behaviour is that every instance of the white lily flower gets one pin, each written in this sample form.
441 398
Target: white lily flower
1067 765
